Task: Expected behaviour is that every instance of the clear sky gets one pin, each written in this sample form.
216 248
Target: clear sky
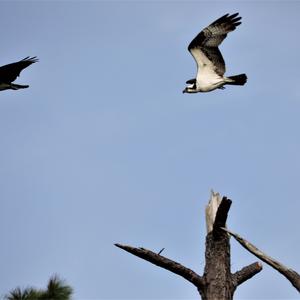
104 147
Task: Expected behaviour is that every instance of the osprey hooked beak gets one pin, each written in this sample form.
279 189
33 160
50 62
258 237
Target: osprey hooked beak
184 91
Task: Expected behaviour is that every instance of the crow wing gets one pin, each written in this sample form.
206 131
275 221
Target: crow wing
204 47
10 72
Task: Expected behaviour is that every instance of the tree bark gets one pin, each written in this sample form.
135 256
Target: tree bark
217 275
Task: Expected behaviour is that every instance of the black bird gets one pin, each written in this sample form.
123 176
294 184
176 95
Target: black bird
10 72
210 63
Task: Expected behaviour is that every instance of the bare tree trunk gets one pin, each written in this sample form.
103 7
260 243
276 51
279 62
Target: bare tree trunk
217 275
217 282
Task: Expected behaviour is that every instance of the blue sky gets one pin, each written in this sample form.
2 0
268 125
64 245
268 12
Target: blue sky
104 147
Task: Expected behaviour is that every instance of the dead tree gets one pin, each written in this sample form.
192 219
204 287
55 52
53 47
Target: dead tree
217 281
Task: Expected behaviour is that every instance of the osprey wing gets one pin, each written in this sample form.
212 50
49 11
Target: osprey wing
204 47
10 72
209 57
216 32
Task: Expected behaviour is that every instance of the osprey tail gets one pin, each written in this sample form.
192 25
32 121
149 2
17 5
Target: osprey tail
240 79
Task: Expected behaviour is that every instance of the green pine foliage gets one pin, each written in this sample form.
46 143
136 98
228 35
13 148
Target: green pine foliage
57 289
27 294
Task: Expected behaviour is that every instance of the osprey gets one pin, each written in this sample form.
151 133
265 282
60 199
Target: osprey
10 72
210 63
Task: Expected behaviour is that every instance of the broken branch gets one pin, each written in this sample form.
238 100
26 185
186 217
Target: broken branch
246 273
165 263
290 274
221 215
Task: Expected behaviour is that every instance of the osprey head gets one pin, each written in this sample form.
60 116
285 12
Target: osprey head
191 88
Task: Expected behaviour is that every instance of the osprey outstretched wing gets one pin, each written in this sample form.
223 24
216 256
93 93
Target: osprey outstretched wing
10 72
210 63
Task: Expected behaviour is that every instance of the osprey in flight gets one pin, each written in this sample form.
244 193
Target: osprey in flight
210 63
10 72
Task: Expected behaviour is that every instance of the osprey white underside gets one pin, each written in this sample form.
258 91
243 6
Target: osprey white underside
207 80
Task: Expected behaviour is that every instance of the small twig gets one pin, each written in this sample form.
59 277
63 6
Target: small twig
161 251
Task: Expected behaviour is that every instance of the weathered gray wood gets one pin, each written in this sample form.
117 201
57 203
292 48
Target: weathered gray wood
211 210
290 274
